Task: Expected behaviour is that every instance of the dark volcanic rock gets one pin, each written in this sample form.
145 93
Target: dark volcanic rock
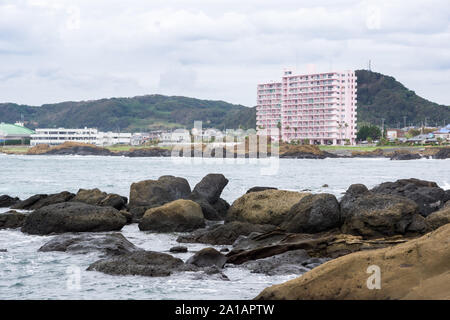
12 220
313 213
224 234
109 244
375 214
73 217
143 263
28 203
405 156
443 153
151 193
81 151
176 216
290 262
7 201
99 198
150 152
257 189
207 257
439 218
428 196
179 249
210 187
52 199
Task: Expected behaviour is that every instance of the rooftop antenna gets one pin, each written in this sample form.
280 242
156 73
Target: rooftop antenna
370 65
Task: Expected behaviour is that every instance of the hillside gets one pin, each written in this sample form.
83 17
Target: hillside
133 114
381 96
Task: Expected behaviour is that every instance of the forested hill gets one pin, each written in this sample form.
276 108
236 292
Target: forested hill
133 114
381 96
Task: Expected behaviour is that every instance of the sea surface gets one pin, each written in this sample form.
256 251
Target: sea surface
26 273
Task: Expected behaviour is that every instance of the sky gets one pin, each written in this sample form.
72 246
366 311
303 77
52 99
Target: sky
60 50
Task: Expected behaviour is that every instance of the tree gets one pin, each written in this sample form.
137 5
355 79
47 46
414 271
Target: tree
367 131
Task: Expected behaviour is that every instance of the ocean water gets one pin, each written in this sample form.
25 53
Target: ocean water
26 273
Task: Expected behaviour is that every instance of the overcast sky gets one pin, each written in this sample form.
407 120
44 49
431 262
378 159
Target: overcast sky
56 50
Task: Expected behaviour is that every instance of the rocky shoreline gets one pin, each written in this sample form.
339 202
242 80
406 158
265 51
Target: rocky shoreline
324 240
285 152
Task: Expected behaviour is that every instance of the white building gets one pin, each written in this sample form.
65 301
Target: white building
86 135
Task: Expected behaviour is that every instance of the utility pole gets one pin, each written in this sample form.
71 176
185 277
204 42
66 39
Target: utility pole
404 121
382 127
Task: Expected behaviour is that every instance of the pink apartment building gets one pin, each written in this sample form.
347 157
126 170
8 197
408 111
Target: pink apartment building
319 107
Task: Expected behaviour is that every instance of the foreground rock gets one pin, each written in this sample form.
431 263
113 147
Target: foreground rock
264 207
176 216
143 263
153 193
7 201
109 244
12 220
428 195
224 234
313 213
418 269
207 257
73 217
99 198
439 218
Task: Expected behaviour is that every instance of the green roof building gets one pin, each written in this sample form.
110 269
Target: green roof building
14 132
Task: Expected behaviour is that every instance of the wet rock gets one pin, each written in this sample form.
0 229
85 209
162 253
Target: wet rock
208 210
223 234
258 189
176 216
290 262
99 198
415 270
148 152
3 250
7 201
325 186
207 257
80 150
150 193
439 218
210 187
28 203
372 215
143 263
51 199
109 244
264 207
211 273
73 217
12 220
313 213
224 250
179 249
428 195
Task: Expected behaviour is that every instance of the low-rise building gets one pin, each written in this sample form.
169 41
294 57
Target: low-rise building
52 136
14 133
443 133
393 134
